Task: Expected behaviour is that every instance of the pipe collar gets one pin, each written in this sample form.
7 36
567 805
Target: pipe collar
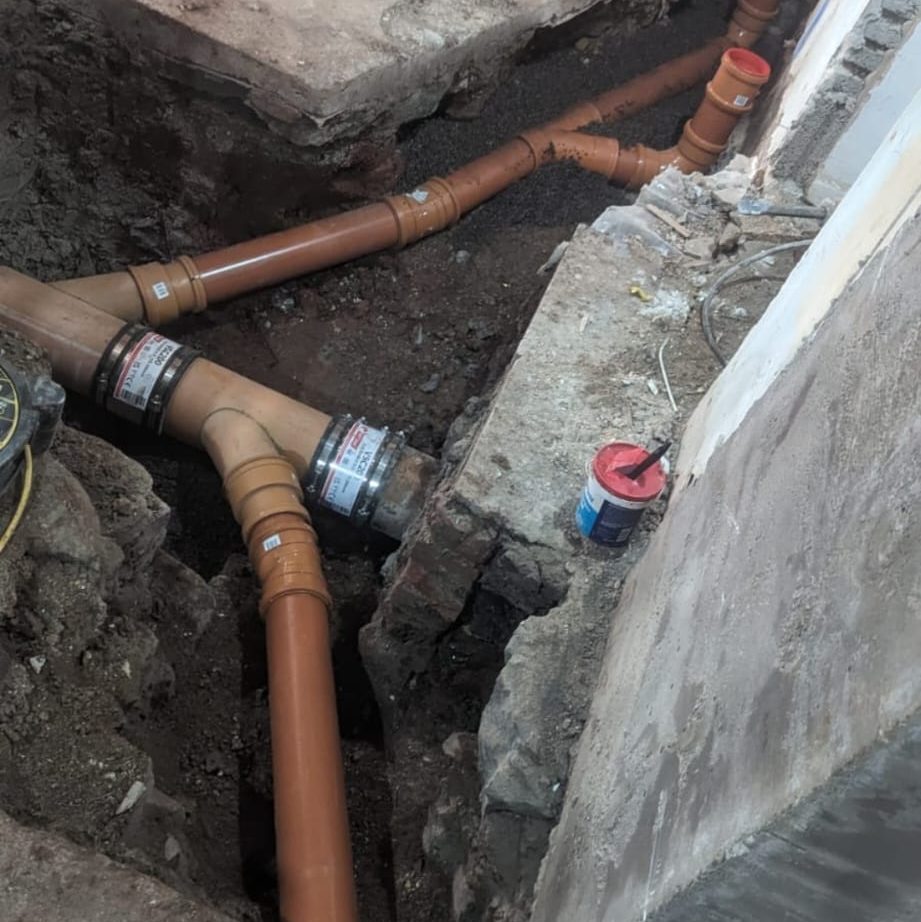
169 290
351 467
262 488
138 373
426 210
284 553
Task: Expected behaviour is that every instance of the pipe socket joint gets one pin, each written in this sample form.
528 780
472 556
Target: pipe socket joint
138 373
594 153
262 488
749 20
285 555
424 211
169 290
694 153
738 80
352 466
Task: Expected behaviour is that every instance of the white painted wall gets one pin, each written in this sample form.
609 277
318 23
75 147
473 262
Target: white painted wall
885 195
884 103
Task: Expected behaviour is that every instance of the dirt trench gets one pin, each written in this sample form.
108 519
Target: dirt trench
90 180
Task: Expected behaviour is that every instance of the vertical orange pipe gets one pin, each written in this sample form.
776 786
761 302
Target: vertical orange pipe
311 819
314 854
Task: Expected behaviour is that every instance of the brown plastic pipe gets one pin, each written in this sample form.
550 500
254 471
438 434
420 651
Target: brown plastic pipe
311 822
161 292
729 96
75 335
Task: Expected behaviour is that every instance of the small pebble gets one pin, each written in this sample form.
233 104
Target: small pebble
430 386
700 247
132 797
729 238
171 848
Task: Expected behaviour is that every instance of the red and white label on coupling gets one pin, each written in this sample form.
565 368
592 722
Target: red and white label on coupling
141 369
349 469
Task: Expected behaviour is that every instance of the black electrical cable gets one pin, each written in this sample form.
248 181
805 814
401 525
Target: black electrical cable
714 289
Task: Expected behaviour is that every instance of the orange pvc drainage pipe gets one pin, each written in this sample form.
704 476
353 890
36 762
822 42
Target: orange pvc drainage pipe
179 395
160 293
311 824
313 852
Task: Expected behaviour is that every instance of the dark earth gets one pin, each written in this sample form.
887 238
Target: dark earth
404 338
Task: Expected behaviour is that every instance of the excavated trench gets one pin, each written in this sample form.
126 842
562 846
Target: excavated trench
90 182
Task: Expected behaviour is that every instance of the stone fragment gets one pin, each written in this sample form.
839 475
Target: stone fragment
171 848
133 795
700 247
729 237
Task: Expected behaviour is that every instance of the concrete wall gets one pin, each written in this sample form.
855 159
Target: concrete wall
771 631
847 854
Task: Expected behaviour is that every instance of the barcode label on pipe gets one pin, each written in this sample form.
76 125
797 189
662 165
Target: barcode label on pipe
141 369
160 290
741 100
271 542
418 195
349 469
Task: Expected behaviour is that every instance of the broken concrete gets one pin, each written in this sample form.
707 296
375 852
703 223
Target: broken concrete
317 73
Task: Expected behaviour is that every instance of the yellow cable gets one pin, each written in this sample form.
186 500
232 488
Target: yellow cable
23 502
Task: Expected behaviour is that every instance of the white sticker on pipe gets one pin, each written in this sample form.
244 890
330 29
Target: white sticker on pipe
741 100
271 542
160 290
142 368
349 469
418 195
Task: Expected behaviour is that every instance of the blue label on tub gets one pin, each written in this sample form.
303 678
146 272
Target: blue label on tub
610 525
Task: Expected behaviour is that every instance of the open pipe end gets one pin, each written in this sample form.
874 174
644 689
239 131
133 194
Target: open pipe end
747 65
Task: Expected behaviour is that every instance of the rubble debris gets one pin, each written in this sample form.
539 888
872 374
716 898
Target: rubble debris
701 247
663 215
639 292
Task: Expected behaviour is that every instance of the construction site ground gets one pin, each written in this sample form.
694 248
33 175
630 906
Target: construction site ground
160 681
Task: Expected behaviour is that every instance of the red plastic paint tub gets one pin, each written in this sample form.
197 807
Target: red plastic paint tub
612 504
